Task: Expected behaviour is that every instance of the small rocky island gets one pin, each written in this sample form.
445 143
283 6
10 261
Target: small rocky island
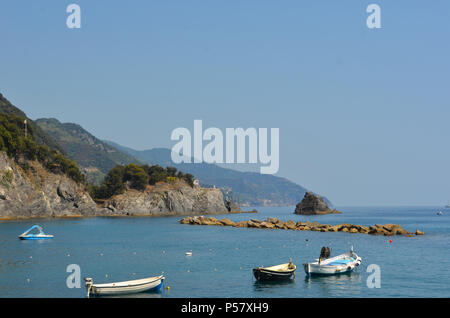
274 223
312 204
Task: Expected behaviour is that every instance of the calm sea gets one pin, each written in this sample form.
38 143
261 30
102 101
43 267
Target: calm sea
115 249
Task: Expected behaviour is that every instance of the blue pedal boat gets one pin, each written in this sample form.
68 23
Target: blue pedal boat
38 236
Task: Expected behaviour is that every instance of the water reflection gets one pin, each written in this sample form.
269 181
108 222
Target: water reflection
272 286
137 295
336 285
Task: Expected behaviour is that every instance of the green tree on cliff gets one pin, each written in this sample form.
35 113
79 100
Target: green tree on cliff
14 143
137 176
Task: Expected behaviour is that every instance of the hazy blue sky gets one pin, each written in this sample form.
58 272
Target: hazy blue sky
364 115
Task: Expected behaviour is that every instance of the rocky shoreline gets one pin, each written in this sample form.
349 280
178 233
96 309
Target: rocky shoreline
274 223
109 214
37 193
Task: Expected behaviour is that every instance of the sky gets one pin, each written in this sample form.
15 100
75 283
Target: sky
363 114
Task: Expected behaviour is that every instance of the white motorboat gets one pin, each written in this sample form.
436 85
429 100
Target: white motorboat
126 287
343 263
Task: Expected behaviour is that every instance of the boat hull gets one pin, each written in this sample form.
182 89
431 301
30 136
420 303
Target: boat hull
36 237
120 289
262 274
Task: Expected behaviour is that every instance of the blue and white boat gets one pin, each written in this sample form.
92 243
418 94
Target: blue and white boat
126 287
343 263
38 236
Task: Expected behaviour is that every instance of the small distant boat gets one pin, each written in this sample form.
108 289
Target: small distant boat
188 253
343 263
126 287
39 236
440 213
277 272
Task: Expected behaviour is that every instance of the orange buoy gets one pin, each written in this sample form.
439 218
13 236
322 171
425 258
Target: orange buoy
390 241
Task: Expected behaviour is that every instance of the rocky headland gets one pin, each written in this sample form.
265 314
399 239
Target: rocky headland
312 204
164 199
36 192
274 223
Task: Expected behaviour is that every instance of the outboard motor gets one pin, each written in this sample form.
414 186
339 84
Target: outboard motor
88 285
291 265
88 282
325 252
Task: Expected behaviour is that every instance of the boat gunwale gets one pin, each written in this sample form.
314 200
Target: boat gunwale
326 262
271 270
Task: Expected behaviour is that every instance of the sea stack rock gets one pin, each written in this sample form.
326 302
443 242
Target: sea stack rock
312 204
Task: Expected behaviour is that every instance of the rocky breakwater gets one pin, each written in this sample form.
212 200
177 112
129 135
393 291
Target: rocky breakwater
274 223
36 192
312 204
166 199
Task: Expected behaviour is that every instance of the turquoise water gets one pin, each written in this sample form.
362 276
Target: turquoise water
115 249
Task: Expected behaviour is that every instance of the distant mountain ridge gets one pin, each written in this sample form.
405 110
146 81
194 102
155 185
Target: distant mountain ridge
94 156
248 188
